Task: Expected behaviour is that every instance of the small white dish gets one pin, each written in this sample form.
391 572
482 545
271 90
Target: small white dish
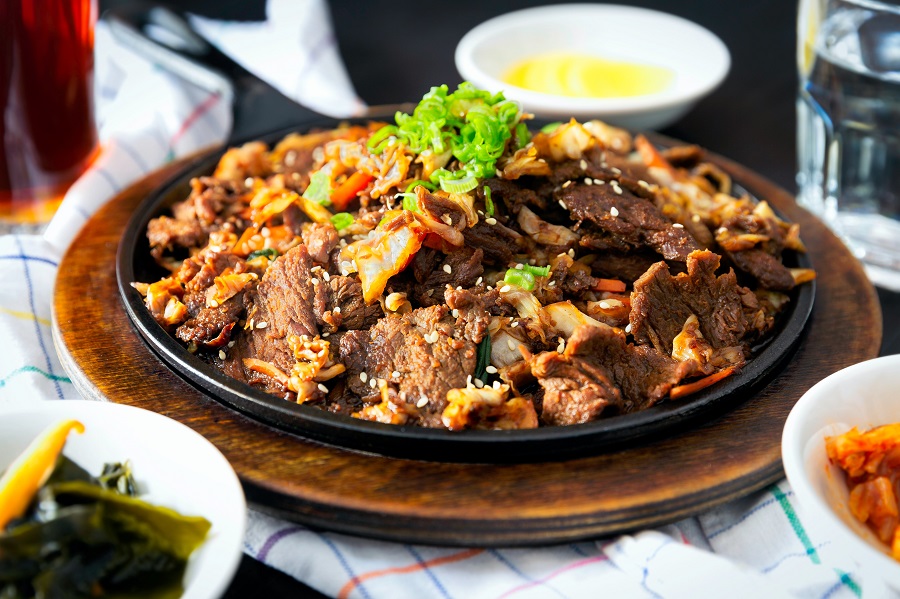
698 59
173 466
864 395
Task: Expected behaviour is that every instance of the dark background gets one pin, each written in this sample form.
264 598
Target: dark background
394 51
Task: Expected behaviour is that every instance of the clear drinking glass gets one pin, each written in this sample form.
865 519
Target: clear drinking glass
848 126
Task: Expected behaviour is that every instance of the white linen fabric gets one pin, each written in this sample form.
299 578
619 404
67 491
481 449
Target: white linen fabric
759 546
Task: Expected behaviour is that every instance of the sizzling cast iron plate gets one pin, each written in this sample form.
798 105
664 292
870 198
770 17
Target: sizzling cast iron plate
134 263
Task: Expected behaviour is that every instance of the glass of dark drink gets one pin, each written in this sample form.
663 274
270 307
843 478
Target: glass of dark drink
47 131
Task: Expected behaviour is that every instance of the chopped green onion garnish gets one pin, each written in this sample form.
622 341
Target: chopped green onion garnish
523 135
538 271
410 202
459 186
342 220
473 124
319 189
488 202
550 127
270 253
382 134
417 182
520 278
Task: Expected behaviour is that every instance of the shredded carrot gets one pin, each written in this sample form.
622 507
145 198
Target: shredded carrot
650 155
684 390
355 183
611 285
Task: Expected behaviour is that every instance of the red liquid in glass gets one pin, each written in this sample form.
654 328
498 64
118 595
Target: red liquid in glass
47 131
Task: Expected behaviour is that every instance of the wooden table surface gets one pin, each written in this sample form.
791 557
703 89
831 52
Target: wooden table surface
395 50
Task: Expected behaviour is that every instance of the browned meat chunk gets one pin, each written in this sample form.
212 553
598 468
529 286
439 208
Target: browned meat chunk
339 304
661 304
624 221
420 355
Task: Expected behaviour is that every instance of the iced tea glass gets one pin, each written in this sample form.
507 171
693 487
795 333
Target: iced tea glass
47 130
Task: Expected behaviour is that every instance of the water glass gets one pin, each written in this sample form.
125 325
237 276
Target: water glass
848 126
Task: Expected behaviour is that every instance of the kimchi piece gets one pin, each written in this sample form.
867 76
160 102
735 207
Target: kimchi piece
871 461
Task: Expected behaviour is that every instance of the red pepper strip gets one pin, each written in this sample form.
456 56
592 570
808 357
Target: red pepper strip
355 183
611 285
684 390
650 155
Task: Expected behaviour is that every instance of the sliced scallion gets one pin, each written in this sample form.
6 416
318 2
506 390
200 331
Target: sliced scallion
342 220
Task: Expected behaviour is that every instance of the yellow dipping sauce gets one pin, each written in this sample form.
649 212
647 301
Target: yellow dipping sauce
584 76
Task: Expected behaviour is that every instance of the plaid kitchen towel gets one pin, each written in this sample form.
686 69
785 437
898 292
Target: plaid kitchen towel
760 546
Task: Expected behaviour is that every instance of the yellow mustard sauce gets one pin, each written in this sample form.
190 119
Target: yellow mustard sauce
584 76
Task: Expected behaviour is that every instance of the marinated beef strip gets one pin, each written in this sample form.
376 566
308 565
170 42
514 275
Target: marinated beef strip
623 221
281 306
419 357
600 373
661 306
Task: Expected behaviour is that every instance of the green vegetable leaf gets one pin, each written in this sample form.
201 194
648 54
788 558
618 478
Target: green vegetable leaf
483 359
342 220
270 253
520 277
319 189
410 202
538 271
488 202
550 127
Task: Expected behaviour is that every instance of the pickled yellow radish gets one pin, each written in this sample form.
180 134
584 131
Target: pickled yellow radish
584 76
31 470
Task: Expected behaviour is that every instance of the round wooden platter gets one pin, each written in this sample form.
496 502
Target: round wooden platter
467 504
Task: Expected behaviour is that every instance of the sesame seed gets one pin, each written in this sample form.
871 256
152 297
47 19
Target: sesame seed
222 355
324 335
213 304
571 252
315 268
479 383
604 306
448 269
326 276
499 173
315 281
616 170
566 184
696 218
588 181
563 204
583 164
614 211
505 289
422 402
520 266
479 281
551 284
395 374
373 382
321 353
262 324
598 181
511 344
231 343
363 376
514 324
446 218
721 230
468 380
265 232
491 221
251 323
677 226
429 293
322 388
455 313
491 369
497 385
628 328
644 184
337 310
480 213
459 287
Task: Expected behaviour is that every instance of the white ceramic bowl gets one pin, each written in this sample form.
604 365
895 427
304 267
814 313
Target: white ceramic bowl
173 466
864 395
698 59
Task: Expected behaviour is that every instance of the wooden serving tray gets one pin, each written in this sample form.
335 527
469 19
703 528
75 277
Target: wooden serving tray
467 504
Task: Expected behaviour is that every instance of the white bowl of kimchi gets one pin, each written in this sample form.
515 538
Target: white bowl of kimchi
864 396
695 58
